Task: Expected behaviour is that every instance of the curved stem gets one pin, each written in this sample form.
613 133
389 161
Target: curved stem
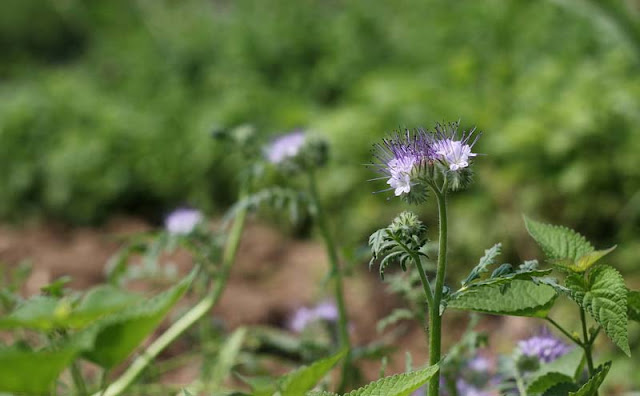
423 276
189 318
563 331
336 275
435 319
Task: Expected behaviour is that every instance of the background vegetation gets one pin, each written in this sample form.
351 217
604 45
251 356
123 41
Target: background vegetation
108 107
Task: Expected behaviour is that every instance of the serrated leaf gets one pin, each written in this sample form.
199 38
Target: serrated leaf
558 242
484 263
522 298
591 386
604 296
397 385
304 378
227 357
33 372
633 301
117 335
395 316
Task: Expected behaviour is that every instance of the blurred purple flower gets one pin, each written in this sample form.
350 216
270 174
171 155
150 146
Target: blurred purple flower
480 364
304 316
285 147
454 153
182 221
544 346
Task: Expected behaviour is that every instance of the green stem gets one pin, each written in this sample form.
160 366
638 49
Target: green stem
586 345
522 390
78 381
435 319
189 318
336 275
423 276
565 332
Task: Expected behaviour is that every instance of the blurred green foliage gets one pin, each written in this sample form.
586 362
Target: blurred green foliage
108 106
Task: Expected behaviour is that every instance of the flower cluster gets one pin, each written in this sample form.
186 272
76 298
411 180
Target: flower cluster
408 160
183 221
544 346
304 316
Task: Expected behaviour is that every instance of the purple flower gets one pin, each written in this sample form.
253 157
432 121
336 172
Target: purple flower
304 316
285 147
399 156
182 221
453 152
544 346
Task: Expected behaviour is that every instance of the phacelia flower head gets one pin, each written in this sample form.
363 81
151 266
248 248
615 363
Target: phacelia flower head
409 160
304 316
183 221
405 158
544 346
454 151
285 147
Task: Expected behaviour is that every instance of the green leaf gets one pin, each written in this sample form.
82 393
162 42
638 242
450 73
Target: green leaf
565 368
98 302
591 386
558 242
227 357
604 295
57 287
521 298
397 385
33 372
47 313
564 247
304 378
483 266
633 301
546 381
117 335
588 260
39 313
561 389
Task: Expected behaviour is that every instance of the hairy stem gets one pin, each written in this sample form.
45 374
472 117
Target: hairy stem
76 374
189 318
423 276
586 344
435 319
336 276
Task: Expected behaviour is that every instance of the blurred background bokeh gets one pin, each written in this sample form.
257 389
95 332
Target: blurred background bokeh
107 108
